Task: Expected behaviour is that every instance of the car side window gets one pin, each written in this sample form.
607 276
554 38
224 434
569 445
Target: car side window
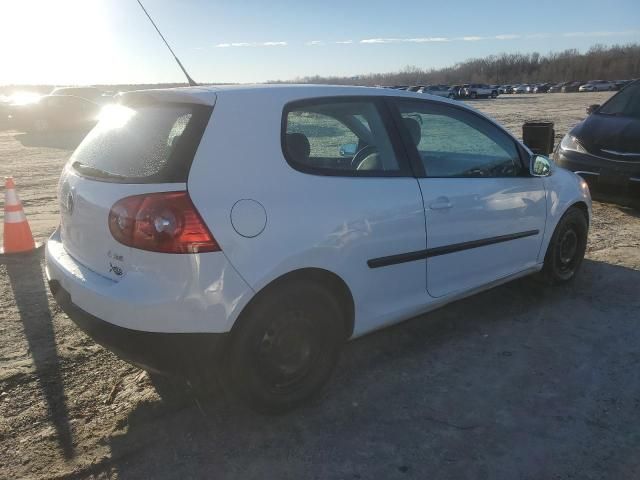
454 143
337 137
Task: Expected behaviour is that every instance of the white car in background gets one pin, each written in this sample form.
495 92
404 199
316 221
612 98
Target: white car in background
251 231
438 90
597 86
480 90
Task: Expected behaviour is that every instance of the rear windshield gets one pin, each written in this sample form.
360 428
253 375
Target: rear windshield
149 143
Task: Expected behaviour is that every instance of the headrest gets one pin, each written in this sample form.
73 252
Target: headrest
414 129
298 147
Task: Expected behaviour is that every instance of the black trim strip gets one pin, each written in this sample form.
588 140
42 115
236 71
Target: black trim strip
445 250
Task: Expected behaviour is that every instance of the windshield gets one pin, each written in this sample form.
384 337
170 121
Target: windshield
626 103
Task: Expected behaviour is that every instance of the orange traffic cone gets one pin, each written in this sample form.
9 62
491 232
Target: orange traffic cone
17 234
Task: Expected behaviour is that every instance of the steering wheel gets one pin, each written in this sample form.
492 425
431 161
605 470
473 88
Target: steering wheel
361 154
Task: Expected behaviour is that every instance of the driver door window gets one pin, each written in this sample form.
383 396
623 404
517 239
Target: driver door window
454 143
332 137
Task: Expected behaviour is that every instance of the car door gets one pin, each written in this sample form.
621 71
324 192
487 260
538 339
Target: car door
485 215
361 203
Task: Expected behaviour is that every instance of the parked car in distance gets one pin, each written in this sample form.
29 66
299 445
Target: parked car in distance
505 89
572 87
557 87
597 86
92 94
542 88
619 84
456 91
439 90
605 147
480 90
165 221
521 89
55 113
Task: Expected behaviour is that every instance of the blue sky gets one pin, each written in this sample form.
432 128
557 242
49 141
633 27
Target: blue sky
110 41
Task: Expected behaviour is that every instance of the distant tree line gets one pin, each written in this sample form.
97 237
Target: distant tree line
617 62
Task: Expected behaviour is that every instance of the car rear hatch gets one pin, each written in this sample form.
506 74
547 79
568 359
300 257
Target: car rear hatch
145 143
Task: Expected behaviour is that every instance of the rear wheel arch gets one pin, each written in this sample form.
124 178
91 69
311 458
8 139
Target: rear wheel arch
330 281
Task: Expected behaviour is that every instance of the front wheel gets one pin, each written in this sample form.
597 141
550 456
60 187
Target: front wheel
566 248
286 347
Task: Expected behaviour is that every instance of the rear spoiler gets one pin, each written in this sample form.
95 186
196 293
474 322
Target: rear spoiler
198 96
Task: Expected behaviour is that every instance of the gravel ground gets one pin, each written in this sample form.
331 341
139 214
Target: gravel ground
520 382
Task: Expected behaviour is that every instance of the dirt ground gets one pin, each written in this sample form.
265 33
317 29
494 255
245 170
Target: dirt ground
520 382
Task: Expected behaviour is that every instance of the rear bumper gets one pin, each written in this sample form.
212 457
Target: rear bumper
173 353
199 293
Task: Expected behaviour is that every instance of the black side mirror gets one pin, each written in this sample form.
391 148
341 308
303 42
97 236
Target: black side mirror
592 108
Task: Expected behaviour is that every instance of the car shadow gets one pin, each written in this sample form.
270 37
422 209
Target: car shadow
30 293
631 208
65 140
629 203
491 384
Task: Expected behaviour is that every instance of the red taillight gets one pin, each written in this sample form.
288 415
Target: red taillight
161 222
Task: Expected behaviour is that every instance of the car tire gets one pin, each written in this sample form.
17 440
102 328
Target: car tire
473 95
285 348
567 247
494 95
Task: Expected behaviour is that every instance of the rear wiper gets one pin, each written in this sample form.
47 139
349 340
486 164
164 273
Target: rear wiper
95 172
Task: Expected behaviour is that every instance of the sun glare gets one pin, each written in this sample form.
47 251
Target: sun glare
115 116
54 42
23 98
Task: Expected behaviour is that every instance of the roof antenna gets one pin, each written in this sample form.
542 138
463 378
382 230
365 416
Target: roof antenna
190 80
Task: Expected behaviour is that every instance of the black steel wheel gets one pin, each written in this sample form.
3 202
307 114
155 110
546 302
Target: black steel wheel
285 347
567 247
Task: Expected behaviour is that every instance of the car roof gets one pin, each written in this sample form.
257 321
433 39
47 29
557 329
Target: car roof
283 92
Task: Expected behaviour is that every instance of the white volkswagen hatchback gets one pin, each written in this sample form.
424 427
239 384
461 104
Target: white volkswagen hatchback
258 228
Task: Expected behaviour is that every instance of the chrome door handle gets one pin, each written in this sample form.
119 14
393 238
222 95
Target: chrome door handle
441 203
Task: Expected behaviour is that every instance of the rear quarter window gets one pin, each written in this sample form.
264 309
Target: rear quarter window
342 136
147 143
